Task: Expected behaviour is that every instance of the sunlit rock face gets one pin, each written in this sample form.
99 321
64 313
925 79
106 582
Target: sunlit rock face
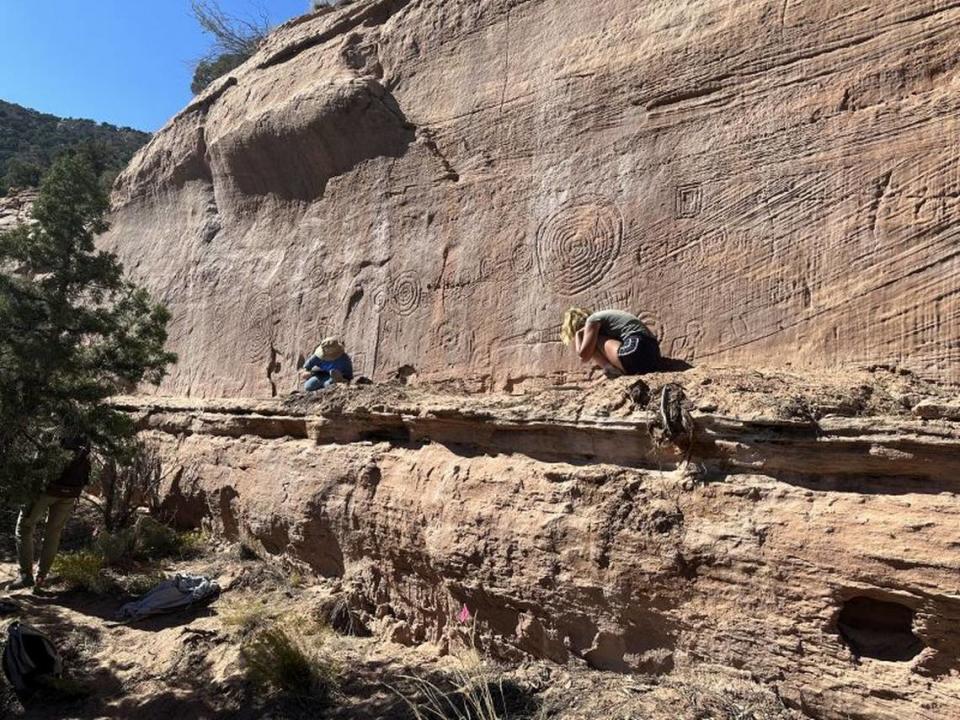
435 180
817 558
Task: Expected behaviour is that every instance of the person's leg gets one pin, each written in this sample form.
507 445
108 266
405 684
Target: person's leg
60 511
609 349
312 384
26 525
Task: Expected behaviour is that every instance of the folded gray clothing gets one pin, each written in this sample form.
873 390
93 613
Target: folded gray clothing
181 591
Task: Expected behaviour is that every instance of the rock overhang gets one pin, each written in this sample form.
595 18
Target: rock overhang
792 546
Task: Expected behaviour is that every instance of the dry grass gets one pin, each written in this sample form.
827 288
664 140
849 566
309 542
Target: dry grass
139 584
476 689
712 697
285 658
246 612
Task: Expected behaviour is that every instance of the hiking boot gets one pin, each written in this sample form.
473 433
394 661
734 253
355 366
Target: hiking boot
24 581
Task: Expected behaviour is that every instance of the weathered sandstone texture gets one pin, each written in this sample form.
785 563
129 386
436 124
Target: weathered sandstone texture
437 179
806 534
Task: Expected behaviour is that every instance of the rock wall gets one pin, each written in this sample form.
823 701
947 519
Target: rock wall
15 208
436 180
820 557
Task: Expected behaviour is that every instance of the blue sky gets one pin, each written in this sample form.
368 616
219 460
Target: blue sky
126 62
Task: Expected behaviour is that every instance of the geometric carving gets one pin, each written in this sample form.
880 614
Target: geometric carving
380 298
406 293
521 259
578 244
689 201
402 293
260 331
685 346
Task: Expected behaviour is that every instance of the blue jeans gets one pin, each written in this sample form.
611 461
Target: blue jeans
318 381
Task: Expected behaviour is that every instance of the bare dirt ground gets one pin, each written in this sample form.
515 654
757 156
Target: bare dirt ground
188 664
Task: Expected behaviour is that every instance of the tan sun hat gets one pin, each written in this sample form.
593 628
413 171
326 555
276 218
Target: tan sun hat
329 349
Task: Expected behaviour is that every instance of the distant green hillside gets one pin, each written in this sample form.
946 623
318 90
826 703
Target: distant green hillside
30 141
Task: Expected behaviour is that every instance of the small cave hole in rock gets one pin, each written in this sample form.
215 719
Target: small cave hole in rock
879 629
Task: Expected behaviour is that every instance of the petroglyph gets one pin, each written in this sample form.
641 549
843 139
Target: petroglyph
380 298
734 331
521 260
260 326
689 201
406 293
455 341
797 169
474 275
401 294
542 336
685 346
577 245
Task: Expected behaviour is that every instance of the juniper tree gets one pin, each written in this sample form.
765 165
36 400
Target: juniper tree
73 332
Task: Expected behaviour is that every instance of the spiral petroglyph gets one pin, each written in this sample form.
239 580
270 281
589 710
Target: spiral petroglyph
406 293
521 259
260 321
577 245
380 298
400 294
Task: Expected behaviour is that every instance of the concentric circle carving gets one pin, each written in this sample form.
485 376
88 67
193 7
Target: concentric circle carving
380 299
259 319
406 293
578 245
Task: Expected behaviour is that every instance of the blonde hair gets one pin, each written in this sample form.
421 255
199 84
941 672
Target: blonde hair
573 319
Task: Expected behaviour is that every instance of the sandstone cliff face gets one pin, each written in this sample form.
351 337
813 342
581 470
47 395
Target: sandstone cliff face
437 179
817 554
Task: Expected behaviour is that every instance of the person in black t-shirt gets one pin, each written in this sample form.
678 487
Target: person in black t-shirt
613 340
57 503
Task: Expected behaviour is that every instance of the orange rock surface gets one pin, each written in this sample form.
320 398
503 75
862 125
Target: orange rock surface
811 543
436 180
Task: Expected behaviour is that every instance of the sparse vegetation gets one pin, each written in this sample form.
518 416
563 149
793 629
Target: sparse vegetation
248 612
708 696
275 660
235 40
83 570
478 689
138 584
147 540
114 561
129 485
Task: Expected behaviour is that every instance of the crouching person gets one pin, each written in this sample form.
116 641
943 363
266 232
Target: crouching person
328 365
56 503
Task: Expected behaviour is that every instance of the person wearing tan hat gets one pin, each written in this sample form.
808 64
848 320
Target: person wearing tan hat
329 364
